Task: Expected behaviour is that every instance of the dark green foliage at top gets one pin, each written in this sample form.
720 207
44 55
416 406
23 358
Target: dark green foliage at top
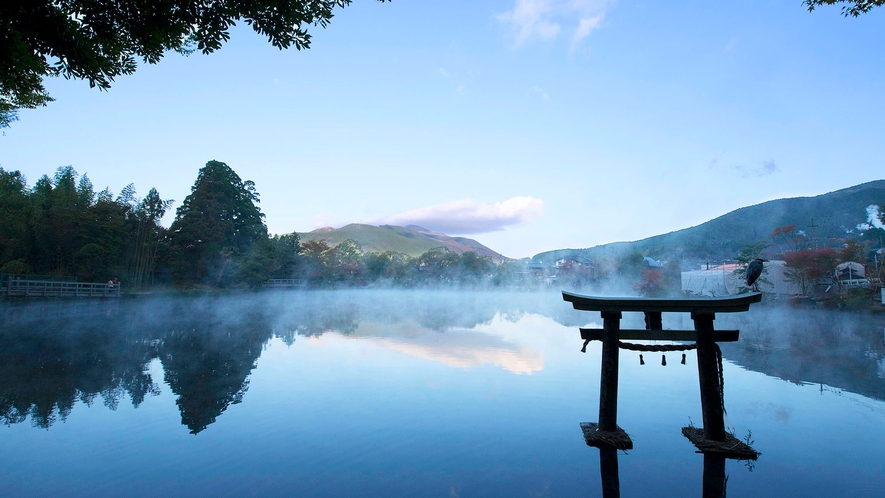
218 230
98 40
851 8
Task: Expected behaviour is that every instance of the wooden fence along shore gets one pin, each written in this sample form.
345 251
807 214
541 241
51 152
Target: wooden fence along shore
284 283
17 287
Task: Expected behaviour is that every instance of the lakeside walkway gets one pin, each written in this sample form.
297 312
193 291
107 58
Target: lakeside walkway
16 287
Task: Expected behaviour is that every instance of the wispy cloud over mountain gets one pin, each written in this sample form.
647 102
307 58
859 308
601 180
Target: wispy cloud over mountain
744 170
468 216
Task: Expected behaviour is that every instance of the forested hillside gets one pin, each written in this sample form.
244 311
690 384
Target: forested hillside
61 228
822 220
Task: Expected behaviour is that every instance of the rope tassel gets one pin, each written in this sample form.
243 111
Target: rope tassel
663 360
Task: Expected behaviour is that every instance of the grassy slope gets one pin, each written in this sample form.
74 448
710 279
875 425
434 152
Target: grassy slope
397 239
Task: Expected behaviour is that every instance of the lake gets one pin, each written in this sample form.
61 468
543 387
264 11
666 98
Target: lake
408 393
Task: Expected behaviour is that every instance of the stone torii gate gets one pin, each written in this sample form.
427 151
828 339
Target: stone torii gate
712 439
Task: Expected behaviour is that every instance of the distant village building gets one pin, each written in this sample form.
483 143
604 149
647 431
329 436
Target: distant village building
720 281
652 263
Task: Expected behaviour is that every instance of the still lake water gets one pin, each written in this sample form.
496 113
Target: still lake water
398 393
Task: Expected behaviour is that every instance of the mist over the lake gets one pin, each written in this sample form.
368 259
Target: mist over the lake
327 392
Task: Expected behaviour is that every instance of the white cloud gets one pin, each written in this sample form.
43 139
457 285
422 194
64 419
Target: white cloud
541 92
467 216
757 170
443 72
585 27
547 19
731 44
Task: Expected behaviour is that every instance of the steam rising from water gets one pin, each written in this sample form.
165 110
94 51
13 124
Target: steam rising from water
209 347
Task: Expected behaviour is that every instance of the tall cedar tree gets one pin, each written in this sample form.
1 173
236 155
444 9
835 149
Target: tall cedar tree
218 230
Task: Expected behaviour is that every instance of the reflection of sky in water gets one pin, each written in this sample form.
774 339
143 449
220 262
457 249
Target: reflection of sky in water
402 404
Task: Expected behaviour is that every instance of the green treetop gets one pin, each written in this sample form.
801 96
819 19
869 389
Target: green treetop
217 225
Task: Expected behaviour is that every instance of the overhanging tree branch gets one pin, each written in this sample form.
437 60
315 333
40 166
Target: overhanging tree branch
98 40
853 8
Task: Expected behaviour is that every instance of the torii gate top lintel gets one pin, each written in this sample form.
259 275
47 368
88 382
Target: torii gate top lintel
732 304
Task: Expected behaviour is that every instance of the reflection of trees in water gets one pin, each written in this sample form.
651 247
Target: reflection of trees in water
46 367
208 369
57 353
208 356
839 349
207 349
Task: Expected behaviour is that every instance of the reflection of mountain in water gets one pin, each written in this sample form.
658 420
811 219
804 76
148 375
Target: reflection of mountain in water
437 326
843 350
459 348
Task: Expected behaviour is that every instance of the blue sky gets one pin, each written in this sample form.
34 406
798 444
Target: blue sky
528 125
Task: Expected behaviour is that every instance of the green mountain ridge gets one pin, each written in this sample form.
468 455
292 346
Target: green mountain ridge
825 219
412 240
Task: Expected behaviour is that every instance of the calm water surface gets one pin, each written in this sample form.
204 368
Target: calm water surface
397 393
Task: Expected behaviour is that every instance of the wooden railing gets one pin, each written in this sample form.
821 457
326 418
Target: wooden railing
281 283
48 288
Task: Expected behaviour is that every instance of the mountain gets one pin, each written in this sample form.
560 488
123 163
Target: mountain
411 240
824 219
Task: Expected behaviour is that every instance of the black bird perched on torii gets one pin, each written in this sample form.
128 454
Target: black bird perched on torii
754 271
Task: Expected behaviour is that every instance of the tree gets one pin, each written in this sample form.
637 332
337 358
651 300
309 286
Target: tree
14 213
347 258
473 268
388 265
853 8
630 266
286 251
437 264
216 226
808 266
62 227
788 236
651 283
148 236
98 40
852 251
